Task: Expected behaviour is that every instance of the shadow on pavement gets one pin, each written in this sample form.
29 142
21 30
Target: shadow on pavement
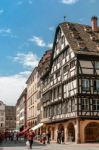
17 144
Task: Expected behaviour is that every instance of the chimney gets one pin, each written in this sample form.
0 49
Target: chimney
94 20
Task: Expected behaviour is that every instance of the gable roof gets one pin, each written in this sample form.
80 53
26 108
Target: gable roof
44 63
81 38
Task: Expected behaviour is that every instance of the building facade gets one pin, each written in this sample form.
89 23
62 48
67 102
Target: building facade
32 100
21 111
70 90
10 118
2 116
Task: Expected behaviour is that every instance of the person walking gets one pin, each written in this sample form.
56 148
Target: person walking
15 137
48 137
44 137
30 137
59 137
62 136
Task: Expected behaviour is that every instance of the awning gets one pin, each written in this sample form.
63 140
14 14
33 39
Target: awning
23 131
37 126
18 128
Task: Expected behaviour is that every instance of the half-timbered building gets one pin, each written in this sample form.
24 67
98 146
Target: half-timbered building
70 90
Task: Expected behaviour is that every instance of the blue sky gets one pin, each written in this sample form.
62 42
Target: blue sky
27 29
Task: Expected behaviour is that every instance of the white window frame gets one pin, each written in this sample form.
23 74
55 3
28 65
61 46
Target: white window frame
97 64
96 104
85 84
85 104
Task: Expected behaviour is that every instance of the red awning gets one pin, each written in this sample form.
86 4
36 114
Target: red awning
23 131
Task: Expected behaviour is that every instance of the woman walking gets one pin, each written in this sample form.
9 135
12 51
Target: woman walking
30 137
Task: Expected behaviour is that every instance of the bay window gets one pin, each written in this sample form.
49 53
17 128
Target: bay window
85 85
84 104
96 85
96 104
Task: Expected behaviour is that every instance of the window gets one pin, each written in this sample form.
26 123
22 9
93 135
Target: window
59 109
55 93
59 91
64 54
55 110
51 78
57 74
96 85
68 106
96 64
60 58
85 85
2 119
65 69
72 63
64 108
45 113
63 40
1 124
73 105
65 90
96 104
85 104
49 111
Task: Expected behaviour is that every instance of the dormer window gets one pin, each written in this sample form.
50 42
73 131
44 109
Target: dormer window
81 45
87 29
59 35
63 40
71 27
93 38
75 34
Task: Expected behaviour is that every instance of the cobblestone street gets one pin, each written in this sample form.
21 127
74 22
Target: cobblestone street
37 146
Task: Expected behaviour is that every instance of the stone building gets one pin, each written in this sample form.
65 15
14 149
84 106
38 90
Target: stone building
10 118
70 88
2 116
21 111
32 92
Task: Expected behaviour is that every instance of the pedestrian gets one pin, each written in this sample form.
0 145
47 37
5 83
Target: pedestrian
44 137
62 136
59 137
15 137
30 137
48 137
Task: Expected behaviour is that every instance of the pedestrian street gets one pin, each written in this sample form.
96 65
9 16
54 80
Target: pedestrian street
53 146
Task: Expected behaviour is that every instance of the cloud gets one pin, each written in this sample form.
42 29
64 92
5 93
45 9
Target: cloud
40 42
5 30
26 59
81 19
1 11
30 2
50 45
51 28
12 87
19 2
92 1
69 1
24 1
